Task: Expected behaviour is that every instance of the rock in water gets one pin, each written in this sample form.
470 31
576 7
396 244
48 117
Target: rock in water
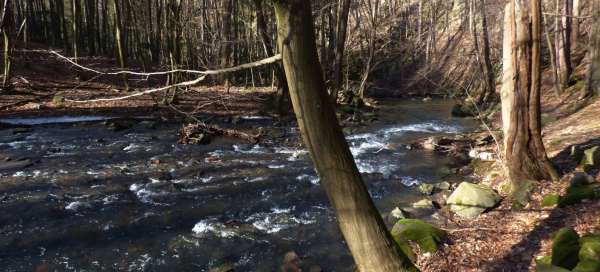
424 204
426 188
470 200
227 267
12 165
460 110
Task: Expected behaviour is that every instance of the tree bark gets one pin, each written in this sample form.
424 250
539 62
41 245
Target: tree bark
371 244
593 73
563 41
282 94
6 25
525 154
488 69
340 45
120 44
226 48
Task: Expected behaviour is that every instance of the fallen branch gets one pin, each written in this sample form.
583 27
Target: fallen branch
189 133
266 61
263 62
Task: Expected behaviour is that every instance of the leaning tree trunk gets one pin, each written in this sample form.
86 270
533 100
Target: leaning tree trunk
525 154
593 74
371 244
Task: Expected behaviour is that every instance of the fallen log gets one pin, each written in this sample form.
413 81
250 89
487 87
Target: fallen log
200 133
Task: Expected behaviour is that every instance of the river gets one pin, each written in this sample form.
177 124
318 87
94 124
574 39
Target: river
96 199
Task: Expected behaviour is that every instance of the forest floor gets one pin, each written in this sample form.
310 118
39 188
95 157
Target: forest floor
43 84
508 240
500 240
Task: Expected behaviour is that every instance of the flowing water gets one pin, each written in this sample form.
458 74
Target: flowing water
133 200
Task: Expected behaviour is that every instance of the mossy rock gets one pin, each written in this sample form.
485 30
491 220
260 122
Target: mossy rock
424 204
575 194
427 236
550 200
587 266
470 200
544 264
565 248
426 188
591 157
590 248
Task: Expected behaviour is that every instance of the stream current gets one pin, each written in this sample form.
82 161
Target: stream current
133 200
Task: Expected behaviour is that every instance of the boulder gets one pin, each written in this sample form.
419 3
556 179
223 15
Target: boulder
581 178
431 188
591 157
424 204
470 200
398 213
13 165
427 236
565 248
460 110
426 188
226 267
590 248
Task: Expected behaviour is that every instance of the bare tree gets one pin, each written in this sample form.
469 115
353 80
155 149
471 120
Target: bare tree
525 154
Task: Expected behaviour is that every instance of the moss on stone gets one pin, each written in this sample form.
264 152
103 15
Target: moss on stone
575 194
550 200
427 236
590 248
587 266
565 248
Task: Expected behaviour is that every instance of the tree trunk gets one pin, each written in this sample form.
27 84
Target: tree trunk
557 87
75 28
121 51
7 26
576 24
525 154
563 43
226 37
593 72
282 94
340 44
488 69
371 244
